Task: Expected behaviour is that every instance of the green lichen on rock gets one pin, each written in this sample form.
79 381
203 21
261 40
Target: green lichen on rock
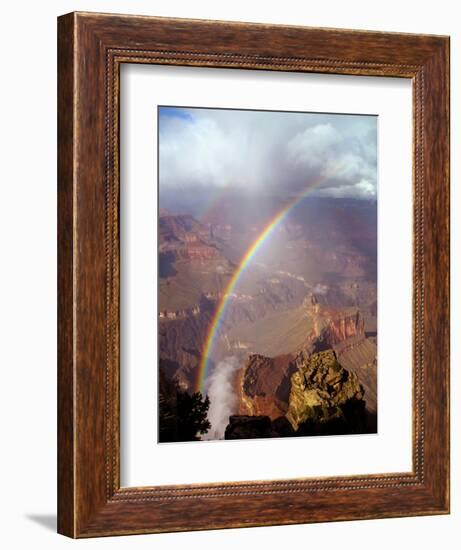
324 394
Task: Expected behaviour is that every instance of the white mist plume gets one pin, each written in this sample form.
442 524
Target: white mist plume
222 397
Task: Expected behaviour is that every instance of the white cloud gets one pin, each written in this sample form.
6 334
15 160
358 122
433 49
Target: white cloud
314 146
270 150
363 190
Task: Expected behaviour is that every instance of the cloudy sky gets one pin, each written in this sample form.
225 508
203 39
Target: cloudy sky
272 152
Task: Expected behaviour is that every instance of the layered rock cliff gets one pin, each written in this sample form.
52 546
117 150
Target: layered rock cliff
264 385
180 341
324 399
183 238
340 327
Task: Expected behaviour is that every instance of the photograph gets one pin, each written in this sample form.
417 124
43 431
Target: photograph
267 273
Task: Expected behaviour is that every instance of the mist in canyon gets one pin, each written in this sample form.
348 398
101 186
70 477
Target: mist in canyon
223 399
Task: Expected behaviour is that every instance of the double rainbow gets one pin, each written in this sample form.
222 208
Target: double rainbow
215 325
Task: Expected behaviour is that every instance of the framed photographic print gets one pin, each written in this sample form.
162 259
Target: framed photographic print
253 275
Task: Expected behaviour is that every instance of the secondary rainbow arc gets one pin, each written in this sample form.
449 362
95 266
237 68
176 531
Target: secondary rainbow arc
216 322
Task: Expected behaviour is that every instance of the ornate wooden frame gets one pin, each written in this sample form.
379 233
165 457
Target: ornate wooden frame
91 49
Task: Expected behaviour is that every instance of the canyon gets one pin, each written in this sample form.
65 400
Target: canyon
311 290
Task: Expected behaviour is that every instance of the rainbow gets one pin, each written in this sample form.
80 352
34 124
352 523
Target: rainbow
252 250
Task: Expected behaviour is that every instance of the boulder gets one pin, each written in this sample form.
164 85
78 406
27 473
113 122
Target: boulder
324 397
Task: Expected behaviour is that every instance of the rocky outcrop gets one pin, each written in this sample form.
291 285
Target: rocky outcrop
264 385
338 328
345 334
184 238
325 397
174 228
180 342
